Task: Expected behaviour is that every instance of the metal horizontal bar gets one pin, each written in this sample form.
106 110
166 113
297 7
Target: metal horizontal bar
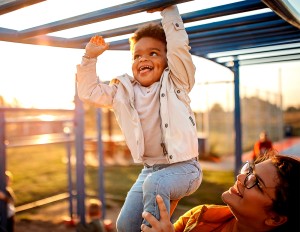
16 5
270 17
240 29
271 59
199 49
248 36
136 7
123 44
16 109
240 21
111 33
258 55
258 50
227 35
97 16
38 140
60 42
119 45
223 10
291 51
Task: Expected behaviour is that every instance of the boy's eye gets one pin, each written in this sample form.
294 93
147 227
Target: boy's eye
135 57
153 54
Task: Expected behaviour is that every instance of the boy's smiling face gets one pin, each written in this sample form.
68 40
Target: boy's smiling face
149 60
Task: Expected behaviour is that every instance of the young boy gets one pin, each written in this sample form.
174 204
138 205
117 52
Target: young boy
153 111
95 213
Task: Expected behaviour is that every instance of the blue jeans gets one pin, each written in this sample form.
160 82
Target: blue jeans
170 181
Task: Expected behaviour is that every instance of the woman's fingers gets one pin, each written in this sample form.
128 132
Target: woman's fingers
164 224
164 214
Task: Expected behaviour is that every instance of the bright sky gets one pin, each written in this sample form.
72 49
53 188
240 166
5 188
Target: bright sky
44 77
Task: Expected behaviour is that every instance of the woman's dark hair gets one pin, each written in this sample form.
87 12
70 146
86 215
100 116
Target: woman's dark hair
149 30
287 192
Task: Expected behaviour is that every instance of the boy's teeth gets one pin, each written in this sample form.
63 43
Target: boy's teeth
145 67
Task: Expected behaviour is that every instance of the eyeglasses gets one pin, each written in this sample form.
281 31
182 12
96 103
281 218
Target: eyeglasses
252 179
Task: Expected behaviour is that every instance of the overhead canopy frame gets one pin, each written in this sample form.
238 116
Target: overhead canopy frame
253 35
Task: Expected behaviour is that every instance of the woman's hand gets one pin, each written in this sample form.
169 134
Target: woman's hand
95 47
164 224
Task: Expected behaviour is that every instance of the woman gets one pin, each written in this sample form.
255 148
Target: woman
265 197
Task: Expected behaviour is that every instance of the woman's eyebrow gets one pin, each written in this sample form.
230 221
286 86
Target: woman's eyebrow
258 177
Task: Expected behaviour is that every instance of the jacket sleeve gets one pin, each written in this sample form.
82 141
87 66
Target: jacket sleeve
189 219
90 90
179 58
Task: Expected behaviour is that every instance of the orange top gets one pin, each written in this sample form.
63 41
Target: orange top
206 218
260 147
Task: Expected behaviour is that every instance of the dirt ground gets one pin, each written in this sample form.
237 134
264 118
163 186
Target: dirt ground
55 218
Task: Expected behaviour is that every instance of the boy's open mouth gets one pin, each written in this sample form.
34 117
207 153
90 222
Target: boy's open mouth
145 68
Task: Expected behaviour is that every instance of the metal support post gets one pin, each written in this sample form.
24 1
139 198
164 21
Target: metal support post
3 205
67 131
101 161
237 118
80 169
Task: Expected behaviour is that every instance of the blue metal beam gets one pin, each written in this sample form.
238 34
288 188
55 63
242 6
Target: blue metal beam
3 205
239 21
249 36
237 30
237 118
285 49
16 5
223 10
266 20
80 168
109 13
253 43
97 16
265 60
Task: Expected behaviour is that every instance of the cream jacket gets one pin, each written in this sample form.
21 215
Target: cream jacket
178 125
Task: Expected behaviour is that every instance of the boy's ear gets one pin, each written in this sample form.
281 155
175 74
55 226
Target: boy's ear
275 220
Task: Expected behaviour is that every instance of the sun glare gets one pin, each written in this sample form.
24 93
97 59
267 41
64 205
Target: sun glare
33 76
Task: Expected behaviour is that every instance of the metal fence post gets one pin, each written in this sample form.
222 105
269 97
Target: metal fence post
3 205
237 117
101 161
67 131
80 169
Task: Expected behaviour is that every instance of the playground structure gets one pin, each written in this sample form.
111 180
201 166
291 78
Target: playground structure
226 42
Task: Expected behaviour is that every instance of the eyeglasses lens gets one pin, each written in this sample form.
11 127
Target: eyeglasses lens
250 179
245 169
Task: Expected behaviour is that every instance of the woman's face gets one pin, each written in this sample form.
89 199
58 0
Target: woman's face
250 205
149 60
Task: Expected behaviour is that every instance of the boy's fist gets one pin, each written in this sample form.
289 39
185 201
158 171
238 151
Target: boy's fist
95 47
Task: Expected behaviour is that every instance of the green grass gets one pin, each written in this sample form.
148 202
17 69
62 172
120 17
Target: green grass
38 171
41 171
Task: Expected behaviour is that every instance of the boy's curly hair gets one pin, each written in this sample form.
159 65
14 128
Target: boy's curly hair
149 30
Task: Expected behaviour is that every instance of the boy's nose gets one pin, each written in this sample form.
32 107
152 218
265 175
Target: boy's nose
143 58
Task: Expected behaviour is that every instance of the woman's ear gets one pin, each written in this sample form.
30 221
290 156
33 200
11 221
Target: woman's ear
275 220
